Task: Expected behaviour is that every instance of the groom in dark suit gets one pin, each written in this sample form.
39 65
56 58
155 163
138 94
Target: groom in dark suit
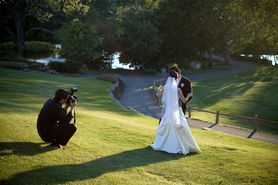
185 85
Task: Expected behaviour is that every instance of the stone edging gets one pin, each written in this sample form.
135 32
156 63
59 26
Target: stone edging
116 91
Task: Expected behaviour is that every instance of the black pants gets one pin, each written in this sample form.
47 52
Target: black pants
60 135
183 108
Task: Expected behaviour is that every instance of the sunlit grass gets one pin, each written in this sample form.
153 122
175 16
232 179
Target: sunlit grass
246 94
111 145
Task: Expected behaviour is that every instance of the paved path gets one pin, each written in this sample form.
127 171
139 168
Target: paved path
137 96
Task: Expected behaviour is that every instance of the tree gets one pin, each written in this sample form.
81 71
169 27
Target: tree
102 14
140 41
18 11
257 27
184 29
82 43
246 26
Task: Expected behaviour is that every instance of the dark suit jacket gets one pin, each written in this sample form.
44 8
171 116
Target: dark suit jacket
185 86
51 115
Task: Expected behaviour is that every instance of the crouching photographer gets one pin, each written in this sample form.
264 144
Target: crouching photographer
53 122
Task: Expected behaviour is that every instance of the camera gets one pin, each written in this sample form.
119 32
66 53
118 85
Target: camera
71 97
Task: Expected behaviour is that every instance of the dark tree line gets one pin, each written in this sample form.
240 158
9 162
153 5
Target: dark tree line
186 29
150 33
19 17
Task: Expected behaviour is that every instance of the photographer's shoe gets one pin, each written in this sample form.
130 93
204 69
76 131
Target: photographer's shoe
56 145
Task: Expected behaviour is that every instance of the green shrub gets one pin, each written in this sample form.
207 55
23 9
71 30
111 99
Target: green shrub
81 43
67 67
210 63
7 46
38 47
252 59
57 66
36 65
15 65
31 47
11 57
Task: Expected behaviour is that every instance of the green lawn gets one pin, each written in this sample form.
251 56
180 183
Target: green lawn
111 145
247 94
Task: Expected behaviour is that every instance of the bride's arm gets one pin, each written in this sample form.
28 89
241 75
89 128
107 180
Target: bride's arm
182 98
160 92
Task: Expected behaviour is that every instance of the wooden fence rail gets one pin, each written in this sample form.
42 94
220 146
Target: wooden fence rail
231 116
256 120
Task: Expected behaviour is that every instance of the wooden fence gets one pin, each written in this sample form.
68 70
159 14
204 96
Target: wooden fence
255 120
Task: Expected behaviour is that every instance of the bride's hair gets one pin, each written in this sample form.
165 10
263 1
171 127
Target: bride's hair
173 73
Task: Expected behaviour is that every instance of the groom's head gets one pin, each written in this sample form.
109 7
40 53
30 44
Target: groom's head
175 68
173 74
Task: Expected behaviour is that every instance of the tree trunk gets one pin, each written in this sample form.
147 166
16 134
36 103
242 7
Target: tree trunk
20 39
19 18
227 53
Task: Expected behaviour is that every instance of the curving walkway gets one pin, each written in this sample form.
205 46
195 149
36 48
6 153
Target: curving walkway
137 96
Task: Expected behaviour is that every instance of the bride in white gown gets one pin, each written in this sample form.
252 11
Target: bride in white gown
173 133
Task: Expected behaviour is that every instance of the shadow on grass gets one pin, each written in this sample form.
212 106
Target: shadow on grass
23 148
92 169
216 91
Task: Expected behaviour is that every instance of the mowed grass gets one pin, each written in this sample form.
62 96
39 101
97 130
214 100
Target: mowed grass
244 94
111 145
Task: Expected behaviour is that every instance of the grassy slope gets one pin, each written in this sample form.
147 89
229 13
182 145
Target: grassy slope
111 144
254 92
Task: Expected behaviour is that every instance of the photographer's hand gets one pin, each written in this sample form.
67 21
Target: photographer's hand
73 105
66 107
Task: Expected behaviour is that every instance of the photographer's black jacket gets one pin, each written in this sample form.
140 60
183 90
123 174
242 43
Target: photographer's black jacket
51 115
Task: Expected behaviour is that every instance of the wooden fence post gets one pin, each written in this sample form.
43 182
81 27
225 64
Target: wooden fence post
255 122
217 117
255 126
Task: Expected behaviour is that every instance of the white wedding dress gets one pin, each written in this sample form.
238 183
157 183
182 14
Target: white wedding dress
173 133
